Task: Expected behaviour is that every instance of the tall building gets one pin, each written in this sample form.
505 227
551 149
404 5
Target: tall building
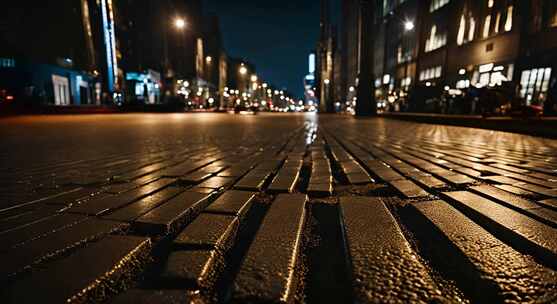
538 63
108 49
423 50
162 50
213 49
68 62
214 57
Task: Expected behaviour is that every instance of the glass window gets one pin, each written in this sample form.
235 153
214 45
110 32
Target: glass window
487 25
534 85
461 31
438 71
437 4
472 30
509 23
497 23
484 79
431 73
7 63
510 72
436 40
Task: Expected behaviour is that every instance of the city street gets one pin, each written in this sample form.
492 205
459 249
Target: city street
273 208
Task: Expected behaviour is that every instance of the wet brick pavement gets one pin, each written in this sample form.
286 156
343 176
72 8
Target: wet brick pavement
205 208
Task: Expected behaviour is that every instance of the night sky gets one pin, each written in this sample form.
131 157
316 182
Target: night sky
277 36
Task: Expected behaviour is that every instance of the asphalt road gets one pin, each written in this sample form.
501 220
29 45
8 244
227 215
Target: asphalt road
171 208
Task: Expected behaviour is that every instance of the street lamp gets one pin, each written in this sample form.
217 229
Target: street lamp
179 23
408 25
254 78
243 70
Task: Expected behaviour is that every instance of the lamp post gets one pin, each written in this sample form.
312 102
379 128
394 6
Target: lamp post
209 68
243 70
179 24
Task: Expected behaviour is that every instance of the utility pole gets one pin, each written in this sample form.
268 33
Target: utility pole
365 103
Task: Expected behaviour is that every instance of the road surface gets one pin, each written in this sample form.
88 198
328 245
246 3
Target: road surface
172 208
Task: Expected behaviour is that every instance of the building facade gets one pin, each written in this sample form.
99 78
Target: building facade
427 54
126 51
50 63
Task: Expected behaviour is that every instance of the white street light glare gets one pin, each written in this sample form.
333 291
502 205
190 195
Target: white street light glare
409 25
180 23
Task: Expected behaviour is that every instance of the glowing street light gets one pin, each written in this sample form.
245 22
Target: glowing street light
409 25
243 70
179 23
209 59
254 78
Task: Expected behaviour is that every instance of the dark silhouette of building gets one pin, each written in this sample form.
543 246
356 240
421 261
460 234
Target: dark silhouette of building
325 51
350 55
52 47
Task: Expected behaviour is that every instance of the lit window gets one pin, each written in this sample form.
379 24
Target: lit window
472 30
461 30
435 40
438 71
497 22
463 84
437 4
7 63
490 3
431 73
484 79
509 23
534 85
510 72
487 25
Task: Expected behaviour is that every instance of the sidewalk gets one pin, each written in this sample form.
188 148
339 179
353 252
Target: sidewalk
543 127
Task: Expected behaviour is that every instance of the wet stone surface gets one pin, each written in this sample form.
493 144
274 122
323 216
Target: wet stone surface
219 208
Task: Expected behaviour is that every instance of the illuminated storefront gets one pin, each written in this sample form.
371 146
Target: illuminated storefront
145 87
